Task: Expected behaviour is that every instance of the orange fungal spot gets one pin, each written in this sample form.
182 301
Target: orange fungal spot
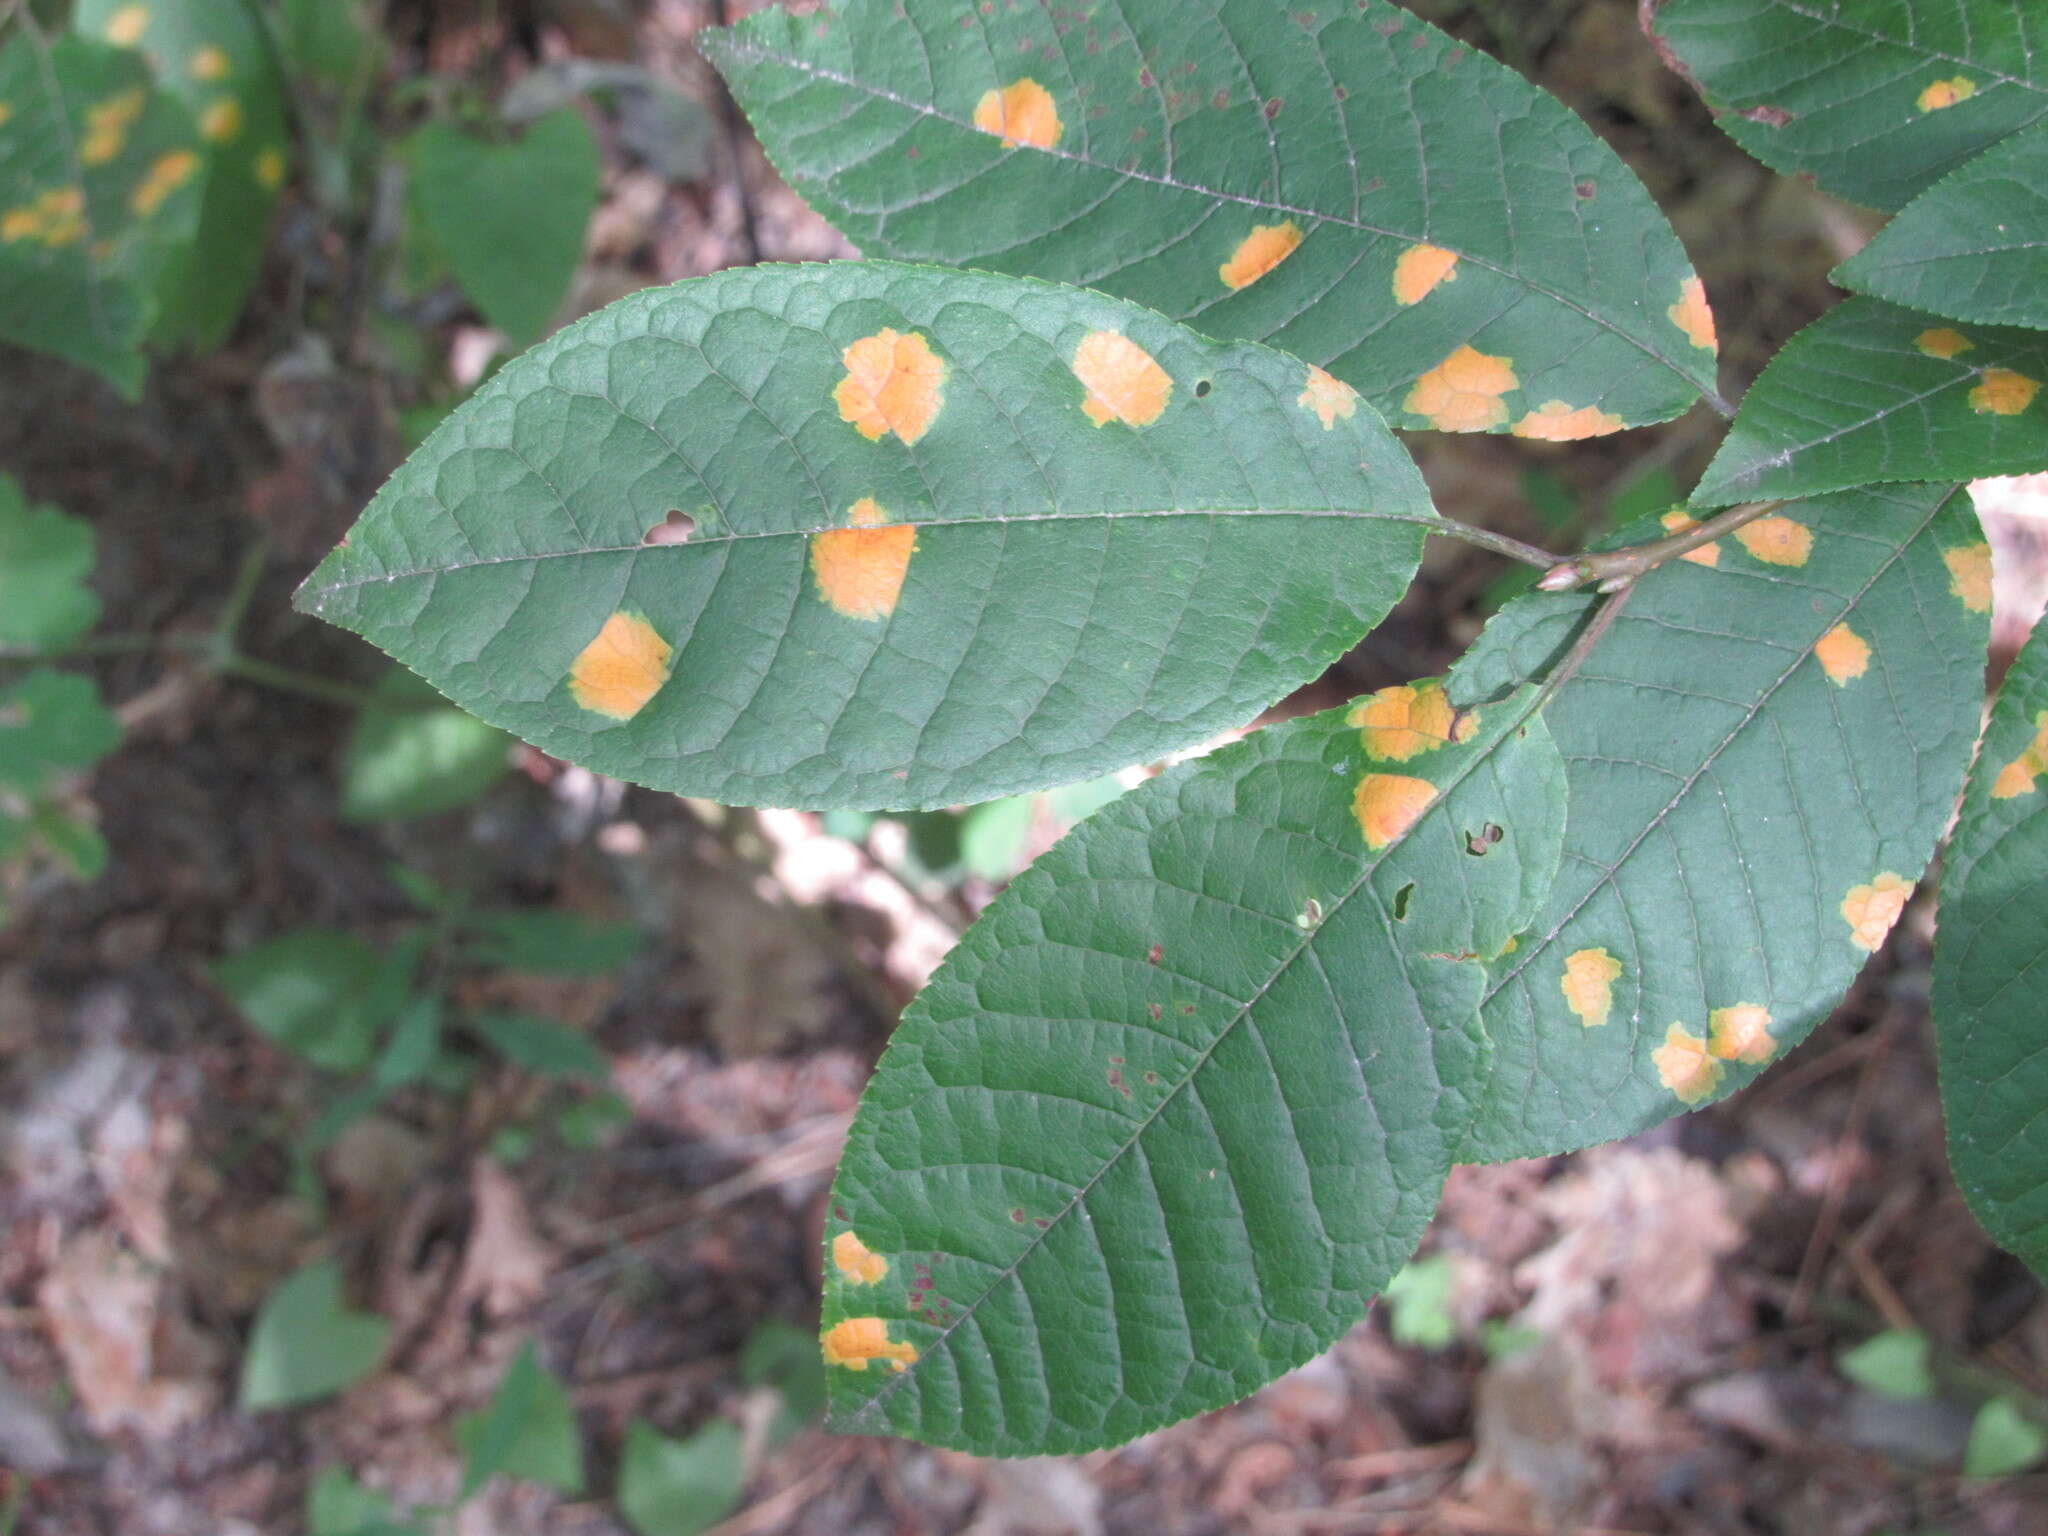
860 568
1388 804
1259 253
56 218
1676 522
1946 93
2018 777
1843 655
858 1340
1556 422
618 672
1123 382
221 122
209 63
2002 392
1408 720
1969 575
1870 910
850 1256
1776 540
270 169
1942 342
1588 985
127 25
1021 113
1420 269
1741 1033
1328 396
1462 393
107 125
1692 315
1684 1067
171 172
891 385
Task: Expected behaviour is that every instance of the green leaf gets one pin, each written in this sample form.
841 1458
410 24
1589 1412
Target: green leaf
1418 1302
551 943
1184 1097
785 1358
45 558
509 216
2003 1441
338 1505
326 40
1752 797
542 1046
1990 956
528 1431
1045 599
414 1046
99 186
992 836
1974 246
314 991
75 843
679 1487
1871 393
1891 1364
52 724
1193 137
1875 99
417 755
212 55
308 1344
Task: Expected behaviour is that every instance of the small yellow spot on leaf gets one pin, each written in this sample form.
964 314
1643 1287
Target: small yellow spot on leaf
127 25
1388 804
221 122
56 218
860 568
1123 382
619 671
107 125
270 168
1676 521
1776 540
891 385
6 111
1969 575
1462 393
1684 1066
1022 113
2018 777
1692 315
1259 253
209 63
858 1340
2001 392
1741 1033
1843 654
171 172
1588 985
1328 396
1556 422
1420 269
1410 719
1946 93
1942 342
1870 910
850 1256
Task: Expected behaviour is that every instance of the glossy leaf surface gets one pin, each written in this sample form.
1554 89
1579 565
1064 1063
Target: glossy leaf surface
1875 99
1871 393
1990 959
1761 752
921 560
1336 177
1182 1100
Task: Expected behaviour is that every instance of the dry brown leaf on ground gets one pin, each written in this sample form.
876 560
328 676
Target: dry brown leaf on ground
130 1354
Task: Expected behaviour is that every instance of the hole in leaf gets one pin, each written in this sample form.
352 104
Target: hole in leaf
676 528
1401 902
1482 842
1202 388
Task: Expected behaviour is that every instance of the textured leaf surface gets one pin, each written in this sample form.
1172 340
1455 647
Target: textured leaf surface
509 217
1762 753
45 557
1335 177
1182 1100
1001 595
211 55
1990 965
99 183
1974 246
1871 393
1876 99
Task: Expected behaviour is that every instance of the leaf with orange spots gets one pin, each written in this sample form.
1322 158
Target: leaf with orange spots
1328 177
1875 101
81 264
1972 247
214 57
1862 396
1751 742
886 552
1990 956
1183 1098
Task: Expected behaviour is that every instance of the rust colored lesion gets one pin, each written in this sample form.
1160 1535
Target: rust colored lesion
1407 720
1259 253
858 1340
860 568
893 383
1122 380
1588 985
1022 114
621 669
1463 392
1388 804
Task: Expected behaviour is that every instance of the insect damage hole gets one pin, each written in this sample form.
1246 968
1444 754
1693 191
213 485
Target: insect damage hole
1401 899
1482 842
676 528
1202 388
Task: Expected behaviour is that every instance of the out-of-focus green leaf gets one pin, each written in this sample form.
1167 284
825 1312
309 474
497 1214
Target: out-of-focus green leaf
1335 177
679 1487
45 558
1024 585
313 991
338 1505
2003 1441
1418 1303
993 835
1891 1364
326 40
307 1343
550 943
542 1046
528 1430
785 1358
52 723
658 124
417 755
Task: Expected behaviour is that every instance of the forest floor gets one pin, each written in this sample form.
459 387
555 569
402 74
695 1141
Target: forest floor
1681 1299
